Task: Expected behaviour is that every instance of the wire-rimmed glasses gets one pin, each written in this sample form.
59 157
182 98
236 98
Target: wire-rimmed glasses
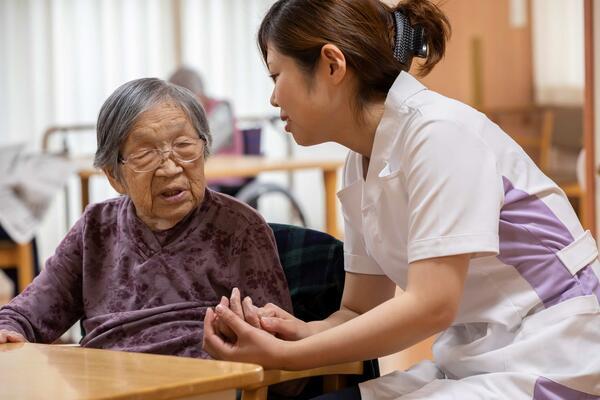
183 150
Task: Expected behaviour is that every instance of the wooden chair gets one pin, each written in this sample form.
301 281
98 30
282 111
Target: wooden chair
547 133
313 263
334 378
19 256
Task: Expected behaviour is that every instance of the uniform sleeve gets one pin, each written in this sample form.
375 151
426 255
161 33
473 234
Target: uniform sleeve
259 272
356 258
454 192
52 303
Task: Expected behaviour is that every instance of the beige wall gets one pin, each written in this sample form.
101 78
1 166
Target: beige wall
506 56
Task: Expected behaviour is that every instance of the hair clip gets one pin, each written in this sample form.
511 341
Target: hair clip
410 41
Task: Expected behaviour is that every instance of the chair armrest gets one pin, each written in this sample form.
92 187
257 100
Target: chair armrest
258 391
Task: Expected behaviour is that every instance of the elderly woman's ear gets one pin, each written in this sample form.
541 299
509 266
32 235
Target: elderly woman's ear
115 182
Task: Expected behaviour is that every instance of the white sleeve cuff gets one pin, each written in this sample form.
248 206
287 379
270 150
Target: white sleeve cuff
361 265
485 244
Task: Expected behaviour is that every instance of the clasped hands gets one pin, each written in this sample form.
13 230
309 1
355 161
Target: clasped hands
237 330
269 318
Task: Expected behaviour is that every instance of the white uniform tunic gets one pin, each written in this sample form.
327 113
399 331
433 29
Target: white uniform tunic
445 180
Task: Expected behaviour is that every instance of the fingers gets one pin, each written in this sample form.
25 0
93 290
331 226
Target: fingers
212 343
243 309
224 301
235 303
285 329
251 312
11 337
271 310
222 329
231 319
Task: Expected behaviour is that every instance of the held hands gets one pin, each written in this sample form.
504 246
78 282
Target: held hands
251 344
270 318
243 309
238 330
10 337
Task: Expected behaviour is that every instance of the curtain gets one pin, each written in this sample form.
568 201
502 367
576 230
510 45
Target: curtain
557 29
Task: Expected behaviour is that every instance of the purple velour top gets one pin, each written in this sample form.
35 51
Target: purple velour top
143 291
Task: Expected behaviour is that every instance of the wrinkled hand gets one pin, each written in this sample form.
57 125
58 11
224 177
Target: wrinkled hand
251 345
282 324
7 336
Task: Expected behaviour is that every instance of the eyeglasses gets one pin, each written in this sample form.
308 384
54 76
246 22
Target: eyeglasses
182 150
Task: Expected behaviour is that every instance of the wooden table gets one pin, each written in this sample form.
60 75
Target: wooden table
222 166
38 371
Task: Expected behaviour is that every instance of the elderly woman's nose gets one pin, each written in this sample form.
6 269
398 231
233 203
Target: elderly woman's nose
168 168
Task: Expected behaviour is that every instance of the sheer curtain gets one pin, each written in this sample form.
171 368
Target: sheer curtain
557 28
61 58
219 40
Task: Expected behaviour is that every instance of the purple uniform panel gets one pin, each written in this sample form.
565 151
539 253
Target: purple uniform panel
545 389
530 236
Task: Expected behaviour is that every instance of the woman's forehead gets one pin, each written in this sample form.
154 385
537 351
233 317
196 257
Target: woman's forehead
164 118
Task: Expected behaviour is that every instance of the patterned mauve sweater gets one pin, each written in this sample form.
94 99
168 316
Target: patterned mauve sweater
140 291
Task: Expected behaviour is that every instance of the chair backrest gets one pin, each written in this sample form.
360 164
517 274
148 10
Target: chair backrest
543 131
70 138
313 263
567 133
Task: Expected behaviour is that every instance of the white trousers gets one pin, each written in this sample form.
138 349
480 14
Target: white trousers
554 356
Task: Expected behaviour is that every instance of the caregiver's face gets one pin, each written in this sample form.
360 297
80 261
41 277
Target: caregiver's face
164 195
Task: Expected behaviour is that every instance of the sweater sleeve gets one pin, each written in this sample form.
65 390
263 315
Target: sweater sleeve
52 303
260 273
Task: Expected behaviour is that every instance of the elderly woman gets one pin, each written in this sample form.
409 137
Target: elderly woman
141 269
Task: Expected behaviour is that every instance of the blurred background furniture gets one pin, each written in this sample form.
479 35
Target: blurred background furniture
20 257
251 189
553 138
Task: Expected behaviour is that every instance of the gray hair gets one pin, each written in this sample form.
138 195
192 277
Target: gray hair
125 105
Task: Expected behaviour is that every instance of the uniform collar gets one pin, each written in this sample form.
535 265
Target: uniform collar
404 87
395 110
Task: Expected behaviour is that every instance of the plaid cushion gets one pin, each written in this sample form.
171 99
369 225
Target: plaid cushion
313 263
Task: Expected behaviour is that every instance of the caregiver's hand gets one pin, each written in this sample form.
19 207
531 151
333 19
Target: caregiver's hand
271 318
282 324
252 344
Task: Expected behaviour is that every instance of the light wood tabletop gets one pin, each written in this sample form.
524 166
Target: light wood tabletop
38 371
228 166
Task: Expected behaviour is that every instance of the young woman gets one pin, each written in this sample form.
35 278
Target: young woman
436 199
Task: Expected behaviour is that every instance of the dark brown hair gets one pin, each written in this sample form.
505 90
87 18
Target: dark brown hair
362 29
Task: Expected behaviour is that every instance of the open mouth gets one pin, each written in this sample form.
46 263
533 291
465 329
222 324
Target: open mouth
173 194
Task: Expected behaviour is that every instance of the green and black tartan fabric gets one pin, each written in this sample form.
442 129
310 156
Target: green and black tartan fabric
313 263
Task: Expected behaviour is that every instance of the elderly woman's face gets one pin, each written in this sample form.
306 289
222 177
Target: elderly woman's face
165 195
